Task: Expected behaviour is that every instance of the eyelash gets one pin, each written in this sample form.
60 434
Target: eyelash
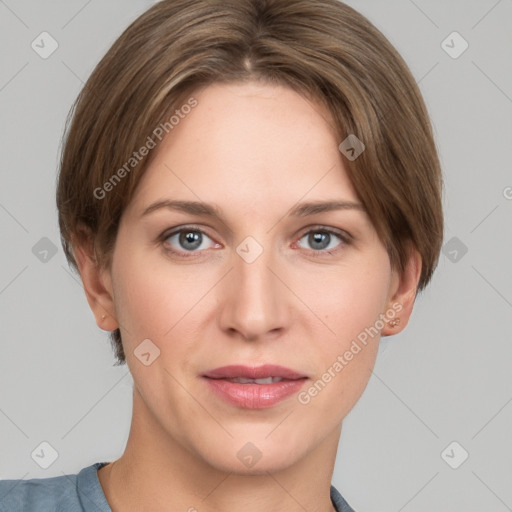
345 240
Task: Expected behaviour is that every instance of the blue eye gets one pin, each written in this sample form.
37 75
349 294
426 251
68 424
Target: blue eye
188 239
322 240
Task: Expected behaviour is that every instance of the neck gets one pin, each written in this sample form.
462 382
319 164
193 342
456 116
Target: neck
157 472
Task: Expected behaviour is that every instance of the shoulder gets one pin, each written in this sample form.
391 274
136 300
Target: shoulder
339 502
67 493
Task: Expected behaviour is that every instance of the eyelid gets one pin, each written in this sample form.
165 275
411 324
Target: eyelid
320 227
344 235
177 229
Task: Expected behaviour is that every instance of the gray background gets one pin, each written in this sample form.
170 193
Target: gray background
445 378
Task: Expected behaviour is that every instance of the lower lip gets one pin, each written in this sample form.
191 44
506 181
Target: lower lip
254 396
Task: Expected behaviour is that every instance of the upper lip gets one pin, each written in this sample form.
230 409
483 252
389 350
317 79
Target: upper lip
253 372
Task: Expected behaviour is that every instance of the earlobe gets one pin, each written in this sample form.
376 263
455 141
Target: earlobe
97 284
404 289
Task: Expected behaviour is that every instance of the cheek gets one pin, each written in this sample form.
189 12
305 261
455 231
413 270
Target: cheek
349 299
346 345
153 296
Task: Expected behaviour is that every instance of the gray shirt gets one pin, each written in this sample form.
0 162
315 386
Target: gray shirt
76 493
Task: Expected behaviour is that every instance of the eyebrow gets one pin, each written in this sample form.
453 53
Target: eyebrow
209 210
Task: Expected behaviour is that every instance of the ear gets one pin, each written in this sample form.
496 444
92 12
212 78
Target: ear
97 282
402 293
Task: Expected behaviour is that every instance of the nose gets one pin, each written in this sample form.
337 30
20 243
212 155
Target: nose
255 304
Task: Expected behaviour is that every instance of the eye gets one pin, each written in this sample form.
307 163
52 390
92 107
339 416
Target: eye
187 240
325 241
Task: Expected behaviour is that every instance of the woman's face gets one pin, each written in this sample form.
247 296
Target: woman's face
264 281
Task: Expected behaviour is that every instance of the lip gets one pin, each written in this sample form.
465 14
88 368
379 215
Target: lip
253 372
253 396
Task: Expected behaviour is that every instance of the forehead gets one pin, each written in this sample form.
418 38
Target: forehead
248 146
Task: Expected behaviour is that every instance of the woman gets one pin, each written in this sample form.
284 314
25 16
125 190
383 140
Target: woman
251 193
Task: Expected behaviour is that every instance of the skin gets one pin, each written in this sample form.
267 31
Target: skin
255 151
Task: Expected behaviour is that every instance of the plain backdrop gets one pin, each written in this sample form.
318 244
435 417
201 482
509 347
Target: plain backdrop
432 430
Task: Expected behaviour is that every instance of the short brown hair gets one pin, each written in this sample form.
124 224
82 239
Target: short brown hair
322 49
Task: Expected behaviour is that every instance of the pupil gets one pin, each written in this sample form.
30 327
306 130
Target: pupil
319 238
190 237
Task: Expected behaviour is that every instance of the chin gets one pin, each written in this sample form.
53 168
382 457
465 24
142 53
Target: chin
246 458
271 464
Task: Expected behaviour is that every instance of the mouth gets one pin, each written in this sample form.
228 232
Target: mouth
266 380
254 373
258 387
